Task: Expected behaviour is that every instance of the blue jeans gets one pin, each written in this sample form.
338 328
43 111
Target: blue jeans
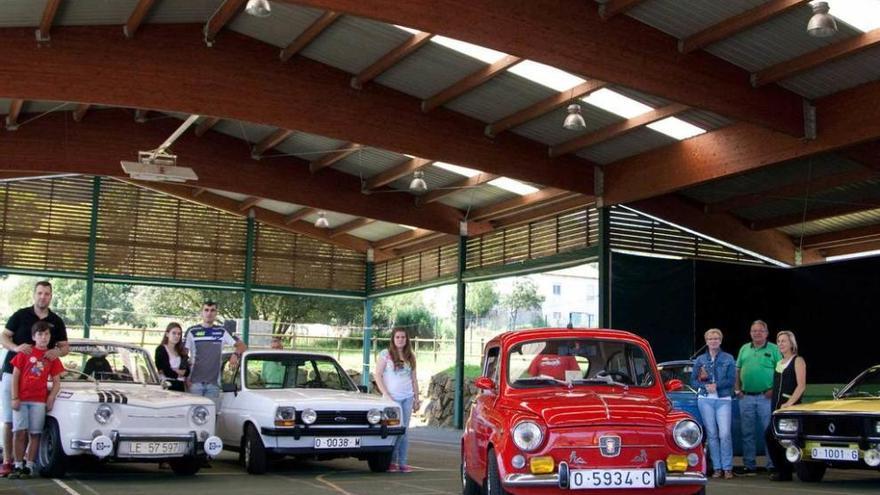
401 446
754 413
716 415
209 390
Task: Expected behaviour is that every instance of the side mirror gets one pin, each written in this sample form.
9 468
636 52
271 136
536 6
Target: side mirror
673 385
484 383
166 384
229 387
835 392
362 388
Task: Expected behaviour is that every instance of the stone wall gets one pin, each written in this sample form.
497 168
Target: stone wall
441 399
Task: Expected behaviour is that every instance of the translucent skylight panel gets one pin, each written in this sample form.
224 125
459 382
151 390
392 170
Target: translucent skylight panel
676 128
409 227
545 75
860 14
457 169
842 257
407 29
478 52
616 103
513 186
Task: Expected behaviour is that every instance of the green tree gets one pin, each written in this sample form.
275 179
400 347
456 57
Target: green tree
417 320
481 298
524 296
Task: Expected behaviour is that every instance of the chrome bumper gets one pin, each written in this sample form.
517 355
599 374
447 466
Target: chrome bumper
561 478
194 446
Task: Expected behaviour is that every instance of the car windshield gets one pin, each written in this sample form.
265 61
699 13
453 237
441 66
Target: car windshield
108 362
867 385
579 362
272 371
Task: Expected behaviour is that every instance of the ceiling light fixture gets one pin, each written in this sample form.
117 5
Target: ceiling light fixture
418 184
159 164
574 121
258 8
822 24
322 222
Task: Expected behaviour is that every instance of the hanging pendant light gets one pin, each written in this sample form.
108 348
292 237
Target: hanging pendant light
322 222
574 121
822 24
418 184
258 8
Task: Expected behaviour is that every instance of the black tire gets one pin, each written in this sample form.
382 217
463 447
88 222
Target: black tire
185 466
701 491
379 463
254 452
810 472
52 459
493 478
468 485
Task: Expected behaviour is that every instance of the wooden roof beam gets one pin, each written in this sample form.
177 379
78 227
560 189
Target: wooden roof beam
388 60
543 107
15 106
574 202
80 111
137 16
811 60
612 8
616 130
519 203
269 142
812 213
410 236
309 35
300 214
442 192
221 17
205 125
737 24
248 203
470 82
392 174
352 225
840 238
430 243
333 157
198 191
49 11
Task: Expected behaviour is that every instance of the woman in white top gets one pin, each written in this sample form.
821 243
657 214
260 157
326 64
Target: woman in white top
395 375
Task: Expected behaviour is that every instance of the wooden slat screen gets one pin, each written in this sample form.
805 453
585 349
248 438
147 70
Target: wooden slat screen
45 224
286 259
142 233
416 268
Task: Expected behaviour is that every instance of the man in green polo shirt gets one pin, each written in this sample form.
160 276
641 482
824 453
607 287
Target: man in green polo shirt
754 387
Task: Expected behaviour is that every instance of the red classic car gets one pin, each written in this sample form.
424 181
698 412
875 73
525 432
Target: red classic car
563 409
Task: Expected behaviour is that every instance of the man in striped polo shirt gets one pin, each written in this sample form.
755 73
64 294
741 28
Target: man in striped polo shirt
204 343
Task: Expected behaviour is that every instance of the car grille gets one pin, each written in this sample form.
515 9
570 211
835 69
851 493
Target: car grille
844 426
337 418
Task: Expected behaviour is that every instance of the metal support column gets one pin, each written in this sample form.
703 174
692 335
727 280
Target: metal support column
90 267
248 276
458 404
368 327
604 267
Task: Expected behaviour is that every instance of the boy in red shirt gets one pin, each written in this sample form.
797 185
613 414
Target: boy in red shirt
30 397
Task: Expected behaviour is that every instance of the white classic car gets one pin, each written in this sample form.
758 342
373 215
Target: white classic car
303 405
112 405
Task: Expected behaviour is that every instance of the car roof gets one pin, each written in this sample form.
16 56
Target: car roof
514 336
680 362
103 343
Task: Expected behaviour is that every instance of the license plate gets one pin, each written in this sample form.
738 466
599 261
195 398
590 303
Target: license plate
146 448
337 442
581 479
834 454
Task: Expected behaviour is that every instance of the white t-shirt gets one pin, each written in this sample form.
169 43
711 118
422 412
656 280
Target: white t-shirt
398 381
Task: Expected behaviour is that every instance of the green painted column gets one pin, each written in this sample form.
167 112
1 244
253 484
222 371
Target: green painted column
368 327
248 276
604 267
458 404
90 266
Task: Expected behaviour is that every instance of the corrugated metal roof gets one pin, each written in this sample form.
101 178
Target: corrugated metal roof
477 197
650 100
353 43
21 13
90 12
280 28
182 11
369 162
862 194
429 70
501 96
772 177
704 119
434 176
836 76
34 107
629 144
309 146
279 206
834 224
247 131
399 159
682 19
378 230
227 194
548 128
335 219
782 38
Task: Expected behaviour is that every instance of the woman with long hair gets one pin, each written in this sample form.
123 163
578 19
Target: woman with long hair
395 375
789 384
171 357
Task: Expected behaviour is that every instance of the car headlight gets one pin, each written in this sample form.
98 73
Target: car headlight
285 416
374 416
687 434
200 415
309 416
391 415
103 414
787 425
527 435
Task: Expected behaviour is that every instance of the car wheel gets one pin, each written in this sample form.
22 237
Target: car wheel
53 460
468 485
810 472
254 452
185 466
701 491
379 463
493 478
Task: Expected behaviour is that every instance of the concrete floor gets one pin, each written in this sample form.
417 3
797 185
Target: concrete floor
433 453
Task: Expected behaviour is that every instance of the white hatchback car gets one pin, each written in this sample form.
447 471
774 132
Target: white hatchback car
302 405
113 406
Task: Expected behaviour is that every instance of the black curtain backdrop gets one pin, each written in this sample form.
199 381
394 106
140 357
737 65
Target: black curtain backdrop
831 308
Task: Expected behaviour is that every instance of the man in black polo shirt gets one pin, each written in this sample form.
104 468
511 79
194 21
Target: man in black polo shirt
16 337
